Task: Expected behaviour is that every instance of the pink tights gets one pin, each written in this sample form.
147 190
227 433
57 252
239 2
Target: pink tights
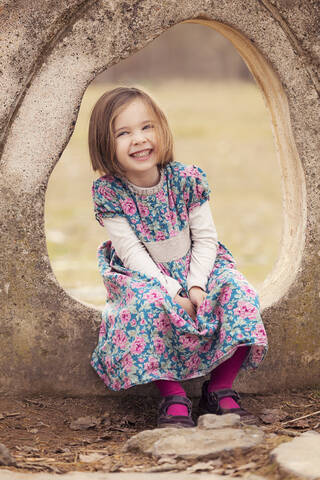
221 377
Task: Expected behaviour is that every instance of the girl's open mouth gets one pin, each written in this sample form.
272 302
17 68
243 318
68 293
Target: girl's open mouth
142 155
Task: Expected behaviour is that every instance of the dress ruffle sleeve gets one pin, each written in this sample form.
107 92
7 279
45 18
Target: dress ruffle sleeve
197 189
105 201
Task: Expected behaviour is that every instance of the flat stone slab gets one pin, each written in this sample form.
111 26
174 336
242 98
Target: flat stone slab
10 475
301 456
194 443
209 421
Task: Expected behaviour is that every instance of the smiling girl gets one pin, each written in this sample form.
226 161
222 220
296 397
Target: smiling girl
176 307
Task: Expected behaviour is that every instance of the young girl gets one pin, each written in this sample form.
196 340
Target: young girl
176 307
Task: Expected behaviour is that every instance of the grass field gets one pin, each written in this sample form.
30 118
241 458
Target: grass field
222 127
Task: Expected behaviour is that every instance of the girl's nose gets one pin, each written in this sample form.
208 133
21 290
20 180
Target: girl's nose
139 137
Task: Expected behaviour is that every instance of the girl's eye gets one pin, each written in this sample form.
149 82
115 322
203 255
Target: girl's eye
149 125
121 133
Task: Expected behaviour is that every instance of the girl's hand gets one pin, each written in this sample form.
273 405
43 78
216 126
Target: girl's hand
197 295
186 305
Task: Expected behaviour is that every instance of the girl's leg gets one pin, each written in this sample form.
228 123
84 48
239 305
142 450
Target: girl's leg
168 387
224 375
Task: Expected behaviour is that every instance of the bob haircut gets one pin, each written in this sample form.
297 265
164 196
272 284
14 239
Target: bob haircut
102 145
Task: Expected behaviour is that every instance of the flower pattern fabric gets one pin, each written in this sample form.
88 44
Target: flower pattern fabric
145 335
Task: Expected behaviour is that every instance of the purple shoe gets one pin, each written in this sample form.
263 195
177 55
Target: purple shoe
176 421
210 403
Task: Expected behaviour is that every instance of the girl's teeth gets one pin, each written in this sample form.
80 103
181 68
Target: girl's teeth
141 154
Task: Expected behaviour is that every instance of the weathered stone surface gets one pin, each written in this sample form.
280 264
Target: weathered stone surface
301 456
194 443
49 54
210 421
7 475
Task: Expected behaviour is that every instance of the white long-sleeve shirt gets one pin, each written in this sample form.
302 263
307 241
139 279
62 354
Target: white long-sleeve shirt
134 254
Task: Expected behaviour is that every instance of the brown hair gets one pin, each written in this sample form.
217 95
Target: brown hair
101 135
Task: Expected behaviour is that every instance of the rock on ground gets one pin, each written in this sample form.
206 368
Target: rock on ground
195 443
301 456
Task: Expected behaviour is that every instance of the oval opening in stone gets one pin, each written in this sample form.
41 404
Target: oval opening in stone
219 123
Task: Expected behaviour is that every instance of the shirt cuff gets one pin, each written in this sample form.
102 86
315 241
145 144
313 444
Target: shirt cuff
195 283
173 286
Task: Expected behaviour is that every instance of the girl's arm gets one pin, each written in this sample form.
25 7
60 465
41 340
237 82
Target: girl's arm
204 240
133 253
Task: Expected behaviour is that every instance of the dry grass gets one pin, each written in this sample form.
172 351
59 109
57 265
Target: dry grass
222 127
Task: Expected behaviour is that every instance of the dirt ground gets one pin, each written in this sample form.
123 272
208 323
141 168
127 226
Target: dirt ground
45 434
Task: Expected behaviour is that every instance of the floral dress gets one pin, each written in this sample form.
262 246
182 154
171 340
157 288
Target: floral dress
145 335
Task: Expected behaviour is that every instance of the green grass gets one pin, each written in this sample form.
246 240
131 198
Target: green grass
222 127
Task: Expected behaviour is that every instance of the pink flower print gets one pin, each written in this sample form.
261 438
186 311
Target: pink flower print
108 362
120 338
186 196
129 296
176 319
189 342
127 383
125 316
220 313
133 322
167 216
225 295
205 307
102 330
193 362
249 291
170 375
199 191
162 323
173 233
246 310
184 215
105 192
159 345
138 345
127 363
205 347
218 355
171 201
191 171
222 335
116 385
161 196
111 320
160 235
122 280
152 365
173 218
260 333
154 297
115 289
142 228
128 206
143 209
139 284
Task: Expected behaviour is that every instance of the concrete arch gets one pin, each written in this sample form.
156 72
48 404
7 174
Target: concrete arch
47 337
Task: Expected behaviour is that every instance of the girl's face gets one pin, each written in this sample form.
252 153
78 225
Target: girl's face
136 143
